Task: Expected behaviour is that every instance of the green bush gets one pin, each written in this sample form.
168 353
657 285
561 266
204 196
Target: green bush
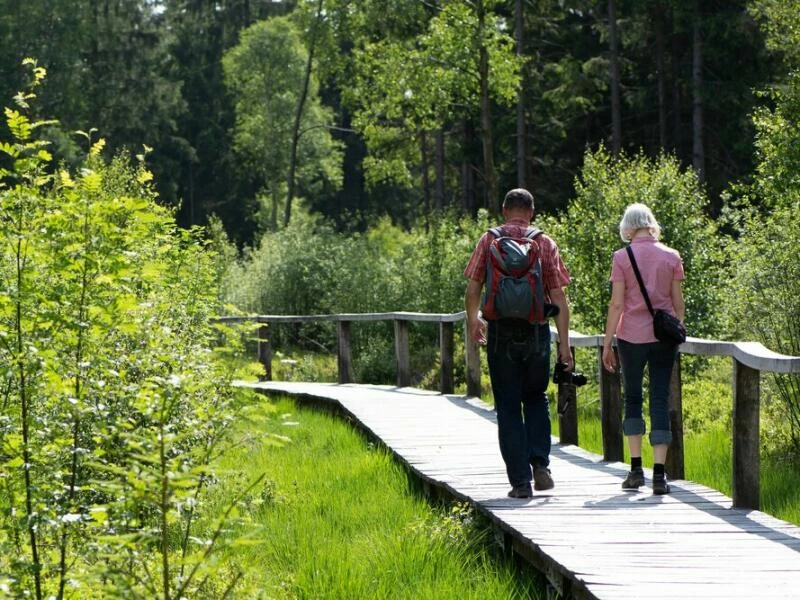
114 401
307 268
588 234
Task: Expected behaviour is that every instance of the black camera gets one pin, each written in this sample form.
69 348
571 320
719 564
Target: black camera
561 375
551 310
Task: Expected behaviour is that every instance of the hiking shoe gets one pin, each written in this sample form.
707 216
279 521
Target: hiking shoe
634 480
523 490
542 479
660 485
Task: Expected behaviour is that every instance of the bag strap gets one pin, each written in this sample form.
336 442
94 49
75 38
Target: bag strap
533 232
639 279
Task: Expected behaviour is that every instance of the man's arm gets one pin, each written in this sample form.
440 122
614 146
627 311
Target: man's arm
472 303
559 298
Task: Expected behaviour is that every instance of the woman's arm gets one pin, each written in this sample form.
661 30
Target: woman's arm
615 307
677 299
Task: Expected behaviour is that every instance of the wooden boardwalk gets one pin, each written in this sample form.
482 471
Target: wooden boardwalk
590 538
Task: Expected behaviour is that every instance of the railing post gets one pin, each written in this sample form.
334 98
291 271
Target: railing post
568 412
265 351
344 357
446 383
472 353
675 457
611 412
402 354
746 434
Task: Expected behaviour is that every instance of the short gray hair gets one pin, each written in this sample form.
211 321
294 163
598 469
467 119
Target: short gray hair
518 198
638 216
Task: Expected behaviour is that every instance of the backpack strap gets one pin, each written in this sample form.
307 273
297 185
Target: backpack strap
531 233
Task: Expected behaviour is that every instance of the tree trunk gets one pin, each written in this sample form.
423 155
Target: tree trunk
520 31
489 174
677 130
616 115
439 159
298 115
467 170
426 186
658 22
698 151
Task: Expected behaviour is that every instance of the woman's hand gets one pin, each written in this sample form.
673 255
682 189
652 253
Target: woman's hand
609 358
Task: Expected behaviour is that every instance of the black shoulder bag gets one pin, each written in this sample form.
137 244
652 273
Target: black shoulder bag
666 327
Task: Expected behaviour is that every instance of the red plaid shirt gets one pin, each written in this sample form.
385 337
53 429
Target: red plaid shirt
554 272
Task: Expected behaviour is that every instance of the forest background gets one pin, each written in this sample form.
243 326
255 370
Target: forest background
169 161
392 107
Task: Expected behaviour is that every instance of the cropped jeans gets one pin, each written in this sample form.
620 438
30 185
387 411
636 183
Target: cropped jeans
659 358
518 355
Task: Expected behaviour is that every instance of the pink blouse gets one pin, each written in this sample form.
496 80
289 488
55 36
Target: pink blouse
659 266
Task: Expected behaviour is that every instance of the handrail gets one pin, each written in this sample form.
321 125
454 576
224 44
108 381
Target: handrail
382 316
752 354
750 359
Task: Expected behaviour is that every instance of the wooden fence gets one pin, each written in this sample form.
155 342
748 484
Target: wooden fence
750 359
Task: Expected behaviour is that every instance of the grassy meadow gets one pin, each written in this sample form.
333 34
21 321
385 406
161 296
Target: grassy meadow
335 517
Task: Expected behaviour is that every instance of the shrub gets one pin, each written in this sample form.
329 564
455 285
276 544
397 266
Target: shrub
114 402
588 233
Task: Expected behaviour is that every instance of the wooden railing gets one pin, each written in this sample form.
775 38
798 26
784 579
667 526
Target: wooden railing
750 359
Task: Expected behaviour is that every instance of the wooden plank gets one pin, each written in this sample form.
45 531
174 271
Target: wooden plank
589 537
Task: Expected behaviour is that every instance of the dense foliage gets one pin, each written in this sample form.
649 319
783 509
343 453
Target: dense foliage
114 402
588 234
421 95
762 286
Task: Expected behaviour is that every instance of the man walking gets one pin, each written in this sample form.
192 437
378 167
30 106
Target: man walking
518 349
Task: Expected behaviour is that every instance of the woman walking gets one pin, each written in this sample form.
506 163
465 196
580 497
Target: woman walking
630 320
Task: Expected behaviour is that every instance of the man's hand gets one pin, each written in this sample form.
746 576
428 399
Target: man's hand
477 330
565 356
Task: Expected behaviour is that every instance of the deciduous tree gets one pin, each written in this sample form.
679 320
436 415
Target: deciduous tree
265 72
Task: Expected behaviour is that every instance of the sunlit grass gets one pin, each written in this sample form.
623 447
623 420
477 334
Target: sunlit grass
335 518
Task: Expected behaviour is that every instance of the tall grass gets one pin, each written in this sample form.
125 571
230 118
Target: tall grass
336 519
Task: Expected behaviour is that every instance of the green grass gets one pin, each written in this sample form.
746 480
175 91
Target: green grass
335 518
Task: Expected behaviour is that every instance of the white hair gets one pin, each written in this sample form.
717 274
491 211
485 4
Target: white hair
638 216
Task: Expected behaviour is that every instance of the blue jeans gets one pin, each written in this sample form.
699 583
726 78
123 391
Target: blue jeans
519 366
659 358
